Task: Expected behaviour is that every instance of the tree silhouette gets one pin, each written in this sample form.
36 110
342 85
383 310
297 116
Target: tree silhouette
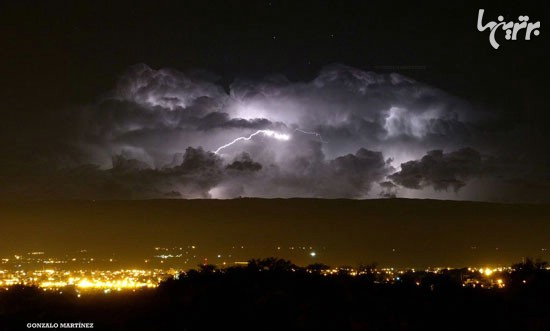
272 264
530 273
207 268
317 268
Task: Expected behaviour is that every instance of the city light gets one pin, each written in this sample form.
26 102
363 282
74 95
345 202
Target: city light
87 280
85 272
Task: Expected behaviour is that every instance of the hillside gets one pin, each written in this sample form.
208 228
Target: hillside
394 232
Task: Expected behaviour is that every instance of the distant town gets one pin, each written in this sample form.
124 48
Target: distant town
82 272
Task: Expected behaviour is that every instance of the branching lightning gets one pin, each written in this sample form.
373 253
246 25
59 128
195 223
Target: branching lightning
268 133
312 133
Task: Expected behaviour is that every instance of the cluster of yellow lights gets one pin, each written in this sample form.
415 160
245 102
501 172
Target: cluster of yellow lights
486 271
85 283
50 279
126 283
10 282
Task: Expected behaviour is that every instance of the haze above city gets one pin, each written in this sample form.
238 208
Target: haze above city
391 232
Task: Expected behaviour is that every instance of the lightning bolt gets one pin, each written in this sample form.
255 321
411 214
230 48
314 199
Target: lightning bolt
312 133
267 133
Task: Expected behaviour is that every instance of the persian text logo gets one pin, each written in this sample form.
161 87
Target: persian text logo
511 28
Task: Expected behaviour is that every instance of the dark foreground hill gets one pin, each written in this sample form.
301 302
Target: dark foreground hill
247 298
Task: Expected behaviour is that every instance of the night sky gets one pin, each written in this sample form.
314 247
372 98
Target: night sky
357 99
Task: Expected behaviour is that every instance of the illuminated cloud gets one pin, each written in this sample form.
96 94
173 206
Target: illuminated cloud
165 88
345 134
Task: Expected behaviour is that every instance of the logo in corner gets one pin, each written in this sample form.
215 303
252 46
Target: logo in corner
511 28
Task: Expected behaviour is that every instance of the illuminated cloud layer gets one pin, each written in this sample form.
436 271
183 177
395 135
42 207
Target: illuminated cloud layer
346 134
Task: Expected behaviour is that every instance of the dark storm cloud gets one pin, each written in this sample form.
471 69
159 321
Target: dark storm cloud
442 170
347 133
469 174
348 176
198 172
360 169
356 173
244 163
